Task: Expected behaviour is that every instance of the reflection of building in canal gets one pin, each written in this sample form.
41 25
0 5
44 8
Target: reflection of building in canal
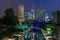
33 35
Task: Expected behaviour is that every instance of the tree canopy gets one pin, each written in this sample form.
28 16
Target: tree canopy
9 18
51 26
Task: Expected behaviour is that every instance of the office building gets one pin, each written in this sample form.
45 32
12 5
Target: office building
26 15
56 17
46 17
56 20
29 15
40 15
33 14
21 13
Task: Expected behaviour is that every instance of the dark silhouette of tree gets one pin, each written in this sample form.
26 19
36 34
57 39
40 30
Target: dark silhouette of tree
9 18
15 20
9 13
0 21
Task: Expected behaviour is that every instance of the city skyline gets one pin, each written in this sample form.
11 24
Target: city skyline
49 5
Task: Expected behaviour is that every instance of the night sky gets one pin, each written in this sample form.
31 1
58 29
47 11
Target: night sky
49 5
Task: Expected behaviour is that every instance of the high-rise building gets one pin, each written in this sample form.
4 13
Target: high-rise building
33 14
21 13
56 17
26 15
29 18
29 15
46 17
40 15
56 20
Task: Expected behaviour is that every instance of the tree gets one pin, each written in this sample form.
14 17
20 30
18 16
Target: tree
15 20
9 12
42 26
0 22
9 18
51 26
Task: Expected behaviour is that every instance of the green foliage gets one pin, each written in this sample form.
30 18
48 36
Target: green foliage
9 18
51 26
15 20
42 26
7 33
1 21
9 13
46 26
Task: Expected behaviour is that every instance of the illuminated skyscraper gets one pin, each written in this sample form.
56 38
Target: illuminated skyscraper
21 13
46 17
40 15
33 15
26 16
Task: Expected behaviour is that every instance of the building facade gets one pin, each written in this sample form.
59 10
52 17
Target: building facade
46 17
26 16
56 17
40 15
33 14
56 20
21 13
